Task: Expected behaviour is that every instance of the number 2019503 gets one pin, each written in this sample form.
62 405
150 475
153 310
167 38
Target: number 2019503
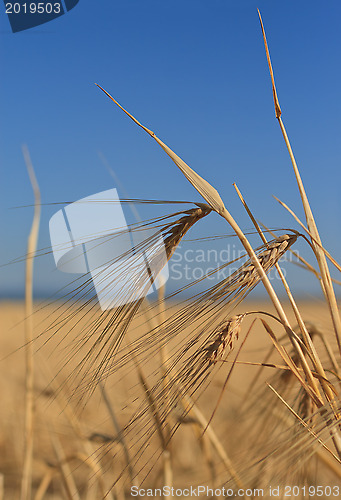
33 8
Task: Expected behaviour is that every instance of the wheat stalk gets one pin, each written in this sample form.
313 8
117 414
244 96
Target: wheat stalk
26 483
214 200
316 240
305 334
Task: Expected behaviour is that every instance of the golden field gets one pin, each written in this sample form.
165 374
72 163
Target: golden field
81 446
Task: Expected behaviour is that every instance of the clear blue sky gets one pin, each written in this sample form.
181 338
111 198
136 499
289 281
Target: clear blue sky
194 72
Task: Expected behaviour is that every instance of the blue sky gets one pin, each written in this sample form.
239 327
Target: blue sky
194 72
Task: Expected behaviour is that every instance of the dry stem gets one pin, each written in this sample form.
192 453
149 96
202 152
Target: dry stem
29 409
316 241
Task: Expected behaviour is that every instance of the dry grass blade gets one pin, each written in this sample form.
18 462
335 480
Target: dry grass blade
2 487
65 471
29 410
120 435
152 405
167 453
315 396
208 192
305 334
313 330
301 261
316 241
276 101
44 484
330 257
304 423
209 432
66 408
325 274
286 453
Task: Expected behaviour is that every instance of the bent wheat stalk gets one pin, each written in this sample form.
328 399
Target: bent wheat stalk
214 200
316 240
305 334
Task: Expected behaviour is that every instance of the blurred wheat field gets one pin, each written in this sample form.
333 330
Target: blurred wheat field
83 437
